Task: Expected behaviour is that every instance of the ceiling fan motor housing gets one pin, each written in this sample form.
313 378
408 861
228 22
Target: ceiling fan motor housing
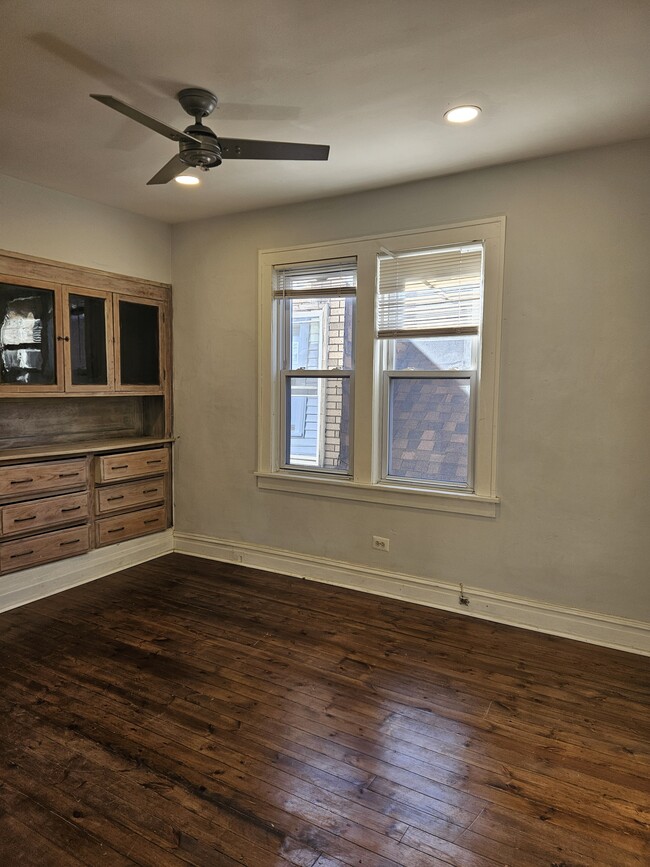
204 155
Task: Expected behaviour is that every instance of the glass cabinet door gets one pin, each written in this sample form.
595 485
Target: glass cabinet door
29 355
139 326
89 340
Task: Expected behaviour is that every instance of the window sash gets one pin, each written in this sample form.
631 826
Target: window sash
285 437
387 424
283 316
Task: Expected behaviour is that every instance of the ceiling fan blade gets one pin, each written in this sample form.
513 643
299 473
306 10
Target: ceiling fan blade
145 119
169 171
249 149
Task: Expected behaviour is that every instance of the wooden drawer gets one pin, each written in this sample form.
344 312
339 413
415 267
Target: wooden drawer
131 525
21 479
131 465
130 495
42 549
37 514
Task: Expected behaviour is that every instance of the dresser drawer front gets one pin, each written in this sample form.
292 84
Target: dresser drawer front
44 548
131 465
131 525
16 481
130 495
37 514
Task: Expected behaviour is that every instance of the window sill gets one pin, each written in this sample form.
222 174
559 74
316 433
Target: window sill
389 495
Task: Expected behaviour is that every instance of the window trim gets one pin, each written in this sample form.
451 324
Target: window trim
366 484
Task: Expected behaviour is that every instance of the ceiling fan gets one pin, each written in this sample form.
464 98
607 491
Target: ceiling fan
199 147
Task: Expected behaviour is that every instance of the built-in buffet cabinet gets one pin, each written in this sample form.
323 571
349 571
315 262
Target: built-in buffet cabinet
62 505
85 410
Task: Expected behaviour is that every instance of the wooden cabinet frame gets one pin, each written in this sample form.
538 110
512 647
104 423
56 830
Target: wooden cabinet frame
162 345
110 340
58 386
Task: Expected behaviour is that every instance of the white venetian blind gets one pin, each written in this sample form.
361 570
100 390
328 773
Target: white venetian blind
430 292
332 278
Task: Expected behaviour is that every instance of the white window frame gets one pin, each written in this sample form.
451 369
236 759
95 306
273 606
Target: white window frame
307 316
365 484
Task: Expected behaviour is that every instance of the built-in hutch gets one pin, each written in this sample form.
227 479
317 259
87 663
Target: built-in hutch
85 410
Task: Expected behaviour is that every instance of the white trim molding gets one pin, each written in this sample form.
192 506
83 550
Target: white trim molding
403 496
593 628
19 588
367 480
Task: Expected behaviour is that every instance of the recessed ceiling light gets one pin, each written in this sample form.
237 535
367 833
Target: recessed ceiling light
462 113
188 180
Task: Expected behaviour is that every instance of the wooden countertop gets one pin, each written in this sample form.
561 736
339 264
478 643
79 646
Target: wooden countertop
56 450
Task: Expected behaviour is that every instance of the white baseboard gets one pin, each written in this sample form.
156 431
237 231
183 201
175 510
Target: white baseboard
604 630
19 588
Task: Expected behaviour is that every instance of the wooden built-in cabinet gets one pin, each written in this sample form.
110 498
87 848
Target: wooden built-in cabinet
56 508
85 409
56 339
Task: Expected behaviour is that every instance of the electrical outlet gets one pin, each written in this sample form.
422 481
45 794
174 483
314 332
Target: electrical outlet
380 543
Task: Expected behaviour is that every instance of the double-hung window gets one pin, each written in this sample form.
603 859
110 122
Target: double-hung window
429 305
379 362
314 313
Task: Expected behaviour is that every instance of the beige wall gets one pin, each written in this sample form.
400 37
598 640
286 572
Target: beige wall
41 222
573 526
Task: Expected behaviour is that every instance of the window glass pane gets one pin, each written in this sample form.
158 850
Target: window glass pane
429 430
318 423
27 335
433 353
321 332
88 340
139 349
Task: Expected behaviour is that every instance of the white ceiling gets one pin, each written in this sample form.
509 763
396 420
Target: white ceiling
371 78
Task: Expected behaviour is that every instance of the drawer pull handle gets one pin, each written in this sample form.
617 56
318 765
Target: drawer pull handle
116 530
21 520
158 461
110 499
21 481
68 475
152 521
121 467
150 491
72 542
71 509
24 554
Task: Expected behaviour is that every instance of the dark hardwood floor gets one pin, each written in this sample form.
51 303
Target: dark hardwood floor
192 712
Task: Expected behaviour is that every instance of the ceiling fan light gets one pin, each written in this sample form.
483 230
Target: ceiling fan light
187 180
462 114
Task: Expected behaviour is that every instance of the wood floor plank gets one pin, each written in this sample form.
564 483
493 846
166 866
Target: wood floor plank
191 712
